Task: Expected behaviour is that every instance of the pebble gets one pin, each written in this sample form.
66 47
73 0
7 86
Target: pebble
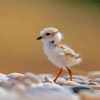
16 76
71 83
3 77
32 77
97 80
47 79
60 81
94 74
41 77
42 87
77 89
93 83
78 79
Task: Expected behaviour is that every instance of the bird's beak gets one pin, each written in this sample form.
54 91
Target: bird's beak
39 38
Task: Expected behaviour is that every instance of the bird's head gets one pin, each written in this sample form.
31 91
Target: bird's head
50 34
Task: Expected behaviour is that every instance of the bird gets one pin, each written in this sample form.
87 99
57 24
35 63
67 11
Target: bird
60 54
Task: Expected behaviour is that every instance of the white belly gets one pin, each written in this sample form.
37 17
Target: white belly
53 56
59 60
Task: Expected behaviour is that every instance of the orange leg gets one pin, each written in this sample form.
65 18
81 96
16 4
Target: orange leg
60 71
70 73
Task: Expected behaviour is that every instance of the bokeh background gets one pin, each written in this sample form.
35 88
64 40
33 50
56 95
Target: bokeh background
22 20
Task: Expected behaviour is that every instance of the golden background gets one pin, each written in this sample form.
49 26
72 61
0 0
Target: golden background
22 20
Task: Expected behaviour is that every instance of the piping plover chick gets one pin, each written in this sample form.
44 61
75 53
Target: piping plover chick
59 54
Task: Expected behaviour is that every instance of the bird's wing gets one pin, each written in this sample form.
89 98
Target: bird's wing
66 51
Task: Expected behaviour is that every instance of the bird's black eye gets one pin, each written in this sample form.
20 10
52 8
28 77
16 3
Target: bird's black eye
48 34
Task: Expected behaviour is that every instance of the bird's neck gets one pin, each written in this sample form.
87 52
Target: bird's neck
50 43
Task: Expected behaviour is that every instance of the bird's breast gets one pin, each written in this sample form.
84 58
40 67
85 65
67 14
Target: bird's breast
49 51
51 54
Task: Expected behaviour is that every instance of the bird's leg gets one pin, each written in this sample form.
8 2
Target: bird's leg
70 73
60 71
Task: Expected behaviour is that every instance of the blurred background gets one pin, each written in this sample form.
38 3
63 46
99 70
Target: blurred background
22 20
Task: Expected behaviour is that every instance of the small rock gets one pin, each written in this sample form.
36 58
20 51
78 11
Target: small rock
47 79
60 81
52 86
16 76
3 77
71 83
97 80
41 77
77 89
32 77
93 83
78 78
94 74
